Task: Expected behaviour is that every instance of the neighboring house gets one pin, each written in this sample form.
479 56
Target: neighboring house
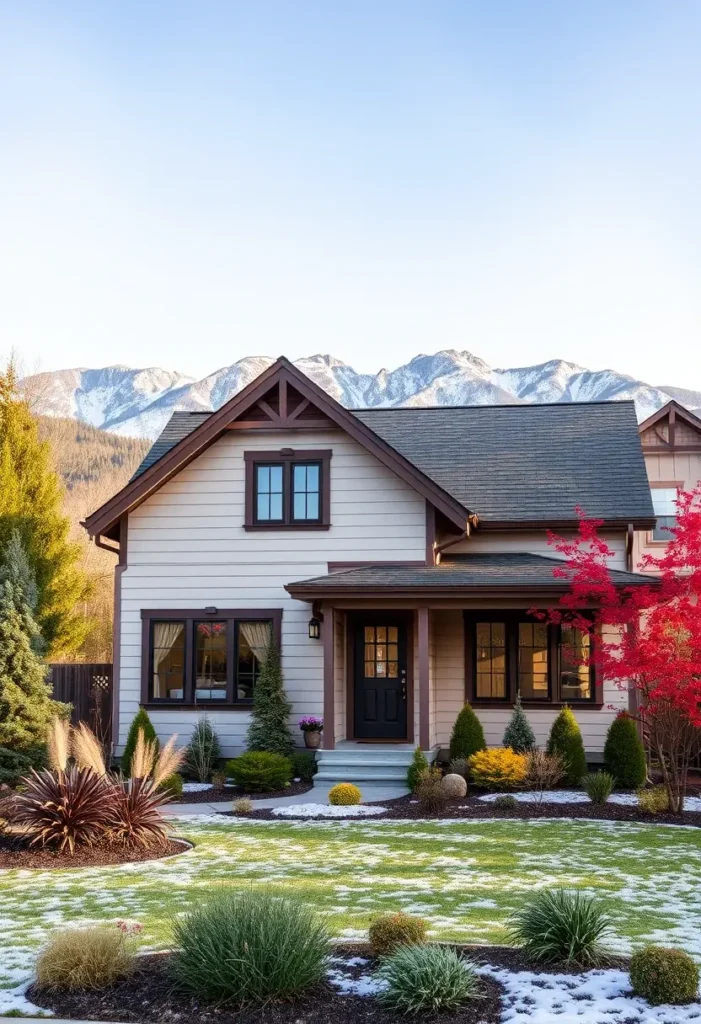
411 541
671 440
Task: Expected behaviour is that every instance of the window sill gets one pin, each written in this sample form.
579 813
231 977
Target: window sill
587 705
266 528
201 706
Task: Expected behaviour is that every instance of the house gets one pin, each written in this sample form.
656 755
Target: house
671 440
411 541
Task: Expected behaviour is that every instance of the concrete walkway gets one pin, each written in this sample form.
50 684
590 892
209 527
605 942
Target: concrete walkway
318 794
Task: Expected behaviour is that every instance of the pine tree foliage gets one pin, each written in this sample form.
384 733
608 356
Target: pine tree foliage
566 739
269 728
467 736
419 764
31 498
518 734
203 751
26 706
624 754
140 722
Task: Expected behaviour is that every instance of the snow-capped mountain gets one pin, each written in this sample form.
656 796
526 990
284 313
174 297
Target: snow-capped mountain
138 403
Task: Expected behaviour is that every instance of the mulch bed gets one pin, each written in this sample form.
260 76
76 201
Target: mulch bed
15 853
148 997
231 793
470 807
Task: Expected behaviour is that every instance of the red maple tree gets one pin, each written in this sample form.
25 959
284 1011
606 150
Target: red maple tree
645 638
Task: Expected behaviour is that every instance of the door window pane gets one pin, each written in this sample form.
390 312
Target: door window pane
168 660
380 656
251 647
491 660
533 661
305 491
664 502
575 672
210 660
269 493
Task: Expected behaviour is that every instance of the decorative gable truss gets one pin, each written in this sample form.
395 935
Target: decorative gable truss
671 429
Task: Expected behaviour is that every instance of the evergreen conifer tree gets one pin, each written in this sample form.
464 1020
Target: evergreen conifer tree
140 722
518 734
419 763
269 729
467 736
566 739
31 504
26 705
624 754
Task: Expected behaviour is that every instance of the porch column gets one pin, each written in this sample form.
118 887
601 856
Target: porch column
424 691
327 633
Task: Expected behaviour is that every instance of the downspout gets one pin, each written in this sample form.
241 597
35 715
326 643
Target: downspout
470 525
630 536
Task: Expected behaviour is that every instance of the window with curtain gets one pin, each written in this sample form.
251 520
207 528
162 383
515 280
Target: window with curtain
533 677
194 660
575 672
168 660
252 645
664 503
491 660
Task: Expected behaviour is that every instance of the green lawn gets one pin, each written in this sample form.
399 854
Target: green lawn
464 877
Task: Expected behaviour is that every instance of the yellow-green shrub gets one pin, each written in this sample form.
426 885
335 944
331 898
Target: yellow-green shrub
389 931
654 800
663 975
84 958
344 793
498 768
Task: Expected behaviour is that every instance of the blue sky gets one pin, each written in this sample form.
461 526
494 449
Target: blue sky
184 184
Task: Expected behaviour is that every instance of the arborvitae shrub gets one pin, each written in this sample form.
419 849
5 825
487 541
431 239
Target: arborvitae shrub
270 714
468 736
419 763
624 754
566 739
141 721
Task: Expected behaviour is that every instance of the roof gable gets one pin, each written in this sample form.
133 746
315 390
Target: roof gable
672 428
281 397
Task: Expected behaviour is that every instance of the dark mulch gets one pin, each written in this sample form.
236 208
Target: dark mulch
471 807
210 796
15 853
148 997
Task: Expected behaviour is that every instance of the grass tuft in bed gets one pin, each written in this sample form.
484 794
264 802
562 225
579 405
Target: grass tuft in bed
248 947
84 958
427 979
557 926
598 786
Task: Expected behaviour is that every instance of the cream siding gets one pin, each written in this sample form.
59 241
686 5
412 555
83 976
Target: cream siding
188 549
534 542
680 468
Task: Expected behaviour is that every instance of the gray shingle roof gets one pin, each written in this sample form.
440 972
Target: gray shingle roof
459 572
178 426
509 464
527 463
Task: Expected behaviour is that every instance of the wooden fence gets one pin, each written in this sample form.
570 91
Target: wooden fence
89 689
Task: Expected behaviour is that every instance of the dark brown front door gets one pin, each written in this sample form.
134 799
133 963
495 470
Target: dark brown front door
380 678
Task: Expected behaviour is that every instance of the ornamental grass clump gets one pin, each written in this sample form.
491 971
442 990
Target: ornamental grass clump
64 809
663 975
431 795
543 772
557 926
427 979
598 786
390 931
249 947
203 750
259 771
84 958
345 794
498 768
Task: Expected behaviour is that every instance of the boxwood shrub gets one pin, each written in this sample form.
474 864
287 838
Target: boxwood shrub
259 771
663 975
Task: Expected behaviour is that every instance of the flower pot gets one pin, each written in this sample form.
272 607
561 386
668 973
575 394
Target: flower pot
312 740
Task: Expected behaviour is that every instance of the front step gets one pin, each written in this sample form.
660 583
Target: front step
364 763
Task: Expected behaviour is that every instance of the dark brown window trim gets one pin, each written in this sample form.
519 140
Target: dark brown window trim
288 457
189 616
512 618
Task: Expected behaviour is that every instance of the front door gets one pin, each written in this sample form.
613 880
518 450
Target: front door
380 678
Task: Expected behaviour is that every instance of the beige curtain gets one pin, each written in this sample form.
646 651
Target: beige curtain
164 636
257 636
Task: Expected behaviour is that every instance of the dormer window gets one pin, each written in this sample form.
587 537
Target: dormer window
288 489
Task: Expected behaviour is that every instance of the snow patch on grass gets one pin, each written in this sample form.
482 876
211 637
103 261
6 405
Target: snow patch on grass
327 811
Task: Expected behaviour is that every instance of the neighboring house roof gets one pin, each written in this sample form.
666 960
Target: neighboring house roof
459 574
527 463
513 466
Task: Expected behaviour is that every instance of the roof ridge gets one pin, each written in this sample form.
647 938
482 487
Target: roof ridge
496 405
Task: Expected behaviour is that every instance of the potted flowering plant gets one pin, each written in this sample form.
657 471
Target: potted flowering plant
311 727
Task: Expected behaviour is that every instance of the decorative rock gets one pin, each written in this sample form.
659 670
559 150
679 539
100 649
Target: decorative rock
454 786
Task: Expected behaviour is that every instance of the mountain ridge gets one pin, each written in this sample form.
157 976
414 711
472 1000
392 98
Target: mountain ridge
137 402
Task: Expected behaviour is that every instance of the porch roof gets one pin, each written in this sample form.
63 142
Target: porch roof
507 573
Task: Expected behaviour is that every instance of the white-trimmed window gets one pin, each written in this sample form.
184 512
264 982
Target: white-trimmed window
664 502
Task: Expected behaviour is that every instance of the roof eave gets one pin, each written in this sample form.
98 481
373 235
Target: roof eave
622 523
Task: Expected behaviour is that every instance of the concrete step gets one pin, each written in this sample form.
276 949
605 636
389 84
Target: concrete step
374 773
364 755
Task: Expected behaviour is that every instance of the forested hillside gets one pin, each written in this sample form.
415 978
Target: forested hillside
93 464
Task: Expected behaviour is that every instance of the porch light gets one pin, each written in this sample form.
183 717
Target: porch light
314 629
